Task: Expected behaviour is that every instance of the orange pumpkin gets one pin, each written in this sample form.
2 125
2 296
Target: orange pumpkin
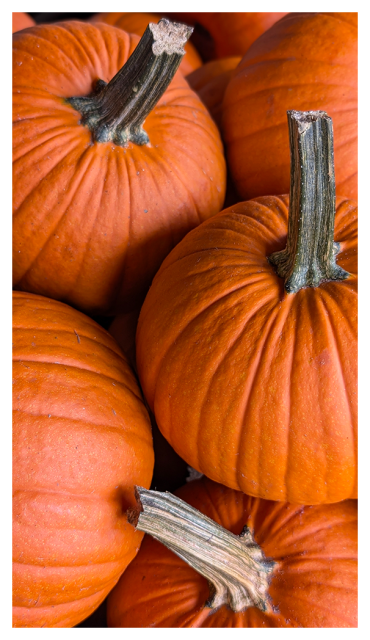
306 61
137 23
221 34
312 552
21 21
81 440
252 382
94 219
210 82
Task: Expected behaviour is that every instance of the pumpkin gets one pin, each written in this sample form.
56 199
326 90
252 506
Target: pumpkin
21 21
137 23
268 564
170 471
210 82
81 441
251 372
222 34
306 61
99 201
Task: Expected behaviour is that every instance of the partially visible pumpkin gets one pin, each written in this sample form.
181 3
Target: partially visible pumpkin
226 33
306 61
210 82
21 21
81 441
93 220
313 551
137 23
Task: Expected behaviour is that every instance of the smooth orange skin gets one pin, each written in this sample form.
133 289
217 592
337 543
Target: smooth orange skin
306 61
313 585
81 441
21 21
137 23
210 82
253 387
92 222
232 33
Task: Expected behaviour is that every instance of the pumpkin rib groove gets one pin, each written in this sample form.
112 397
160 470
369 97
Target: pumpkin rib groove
174 169
335 353
117 383
187 120
287 457
246 401
275 327
44 62
110 428
48 139
85 251
205 309
52 567
85 50
221 361
77 179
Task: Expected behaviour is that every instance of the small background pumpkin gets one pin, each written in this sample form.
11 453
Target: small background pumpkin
305 61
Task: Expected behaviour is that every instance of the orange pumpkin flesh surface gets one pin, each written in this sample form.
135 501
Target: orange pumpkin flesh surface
229 34
21 21
313 583
94 220
252 386
137 23
306 61
81 441
210 82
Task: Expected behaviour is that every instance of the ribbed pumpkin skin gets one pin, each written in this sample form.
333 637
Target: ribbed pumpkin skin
137 23
255 388
315 584
306 61
232 33
81 441
210 82
93 222
21 21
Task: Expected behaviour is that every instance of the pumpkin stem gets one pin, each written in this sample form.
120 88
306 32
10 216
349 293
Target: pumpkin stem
235 566
309 256
117 110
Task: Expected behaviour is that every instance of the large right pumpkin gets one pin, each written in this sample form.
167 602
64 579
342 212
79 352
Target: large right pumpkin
305 61
253 382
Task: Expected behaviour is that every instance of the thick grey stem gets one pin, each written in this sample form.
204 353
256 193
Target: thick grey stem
235 566
118 109
309 256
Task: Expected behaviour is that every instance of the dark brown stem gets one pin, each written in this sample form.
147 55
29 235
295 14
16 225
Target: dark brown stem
118 109
309 256
235 566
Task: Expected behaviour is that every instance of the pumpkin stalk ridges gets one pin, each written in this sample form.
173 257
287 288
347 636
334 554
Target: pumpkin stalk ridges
117 110
235 566
309 256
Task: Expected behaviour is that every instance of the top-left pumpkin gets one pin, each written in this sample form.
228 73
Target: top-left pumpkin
96 211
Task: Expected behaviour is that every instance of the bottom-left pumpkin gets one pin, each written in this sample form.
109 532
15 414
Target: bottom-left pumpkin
81 441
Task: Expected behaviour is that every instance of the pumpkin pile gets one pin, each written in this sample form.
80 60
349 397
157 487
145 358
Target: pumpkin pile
185 320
